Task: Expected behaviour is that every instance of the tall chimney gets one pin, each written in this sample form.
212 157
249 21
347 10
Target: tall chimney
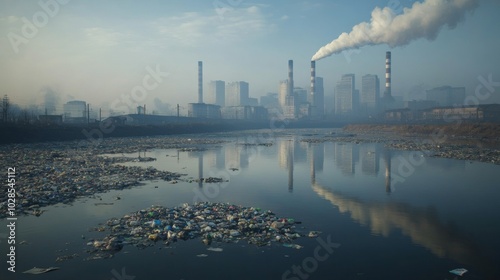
387 92
313 82
200 82
290 77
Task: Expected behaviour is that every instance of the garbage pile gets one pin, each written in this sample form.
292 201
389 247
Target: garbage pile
211 222
47 177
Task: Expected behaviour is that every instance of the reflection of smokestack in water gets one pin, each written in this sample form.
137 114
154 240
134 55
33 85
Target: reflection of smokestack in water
388 171
200 170
313 82
290 167
387 93
200 82
313 165
290 77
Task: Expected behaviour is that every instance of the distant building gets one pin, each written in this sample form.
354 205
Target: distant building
244 113
75 111
217 93
329 105
205 111
300 95
237 94
416 107
304 110
318 109
135 119
346 96
370 93
252 102
270 100
289 110
283 92
302 107
447 95
398 115
141 110
486 112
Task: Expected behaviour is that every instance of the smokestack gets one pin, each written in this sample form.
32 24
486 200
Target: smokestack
313 81
200 82
387 93
290 77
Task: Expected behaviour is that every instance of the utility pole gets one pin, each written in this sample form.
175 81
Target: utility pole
88 113
100 114
5 108
177 110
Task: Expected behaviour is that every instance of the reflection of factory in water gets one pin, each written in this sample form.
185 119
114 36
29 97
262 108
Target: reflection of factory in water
346 156
286 159
369 155
423 226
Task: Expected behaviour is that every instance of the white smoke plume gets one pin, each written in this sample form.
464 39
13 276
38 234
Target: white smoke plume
422 20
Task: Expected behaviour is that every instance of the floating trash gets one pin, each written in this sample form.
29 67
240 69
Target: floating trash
202 255
211 222
313 234
215 249
60 172
295 246
67 257
39 270
458 271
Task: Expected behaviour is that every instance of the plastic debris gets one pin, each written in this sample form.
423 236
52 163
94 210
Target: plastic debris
211 222
295 246
213 249
313 234
458 271
40 270
67 257
60 172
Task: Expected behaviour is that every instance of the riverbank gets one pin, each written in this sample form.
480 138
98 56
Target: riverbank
483 131
472 142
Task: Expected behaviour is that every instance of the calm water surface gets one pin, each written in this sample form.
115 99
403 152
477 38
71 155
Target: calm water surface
394 220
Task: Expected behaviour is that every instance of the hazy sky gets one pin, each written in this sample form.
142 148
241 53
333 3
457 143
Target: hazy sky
100 51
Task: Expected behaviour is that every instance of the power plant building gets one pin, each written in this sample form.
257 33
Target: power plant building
200 109
244 113
204 111
346 96
317 99
75 111
370 92
237 94
447 95
217 93
288 100
283 92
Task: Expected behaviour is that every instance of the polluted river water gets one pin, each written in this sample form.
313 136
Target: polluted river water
291 206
